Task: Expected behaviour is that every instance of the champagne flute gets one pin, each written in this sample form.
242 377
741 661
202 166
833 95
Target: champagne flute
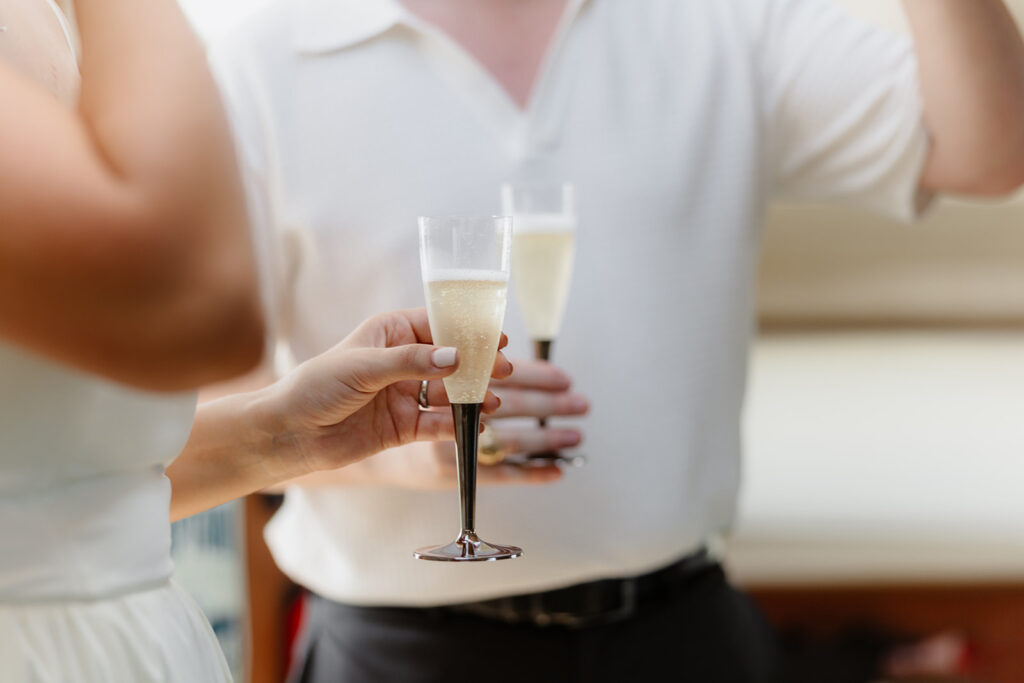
543 248
465 264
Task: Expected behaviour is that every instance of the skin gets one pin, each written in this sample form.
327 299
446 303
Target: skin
971 67
334 410
124 247
508 37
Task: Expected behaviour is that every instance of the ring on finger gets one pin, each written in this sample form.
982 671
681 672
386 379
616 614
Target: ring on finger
489 450
422 397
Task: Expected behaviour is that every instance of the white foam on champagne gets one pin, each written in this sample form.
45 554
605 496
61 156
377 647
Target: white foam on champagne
464 274
543 222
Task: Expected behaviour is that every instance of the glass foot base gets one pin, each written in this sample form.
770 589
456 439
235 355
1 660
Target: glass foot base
468 548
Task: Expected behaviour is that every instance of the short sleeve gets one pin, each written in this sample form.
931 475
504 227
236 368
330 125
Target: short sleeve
843 110
247 116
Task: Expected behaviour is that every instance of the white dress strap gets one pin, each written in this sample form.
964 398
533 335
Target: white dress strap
65 26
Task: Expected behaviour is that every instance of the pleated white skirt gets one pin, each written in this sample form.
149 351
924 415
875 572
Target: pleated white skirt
157 635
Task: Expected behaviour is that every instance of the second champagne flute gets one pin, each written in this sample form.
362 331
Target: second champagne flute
465 264
543 249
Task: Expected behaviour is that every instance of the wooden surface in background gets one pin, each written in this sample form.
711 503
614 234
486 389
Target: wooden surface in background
269 592
991 616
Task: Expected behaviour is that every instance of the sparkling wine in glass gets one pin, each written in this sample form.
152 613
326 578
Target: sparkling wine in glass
543 248
465 266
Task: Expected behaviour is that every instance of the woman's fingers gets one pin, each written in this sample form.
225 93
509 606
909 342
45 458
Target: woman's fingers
524 403
437 398
417 319
371 369
435 426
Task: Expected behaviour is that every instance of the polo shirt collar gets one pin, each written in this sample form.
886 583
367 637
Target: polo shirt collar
329 25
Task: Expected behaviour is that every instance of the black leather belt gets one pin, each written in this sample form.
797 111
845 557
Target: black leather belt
589 604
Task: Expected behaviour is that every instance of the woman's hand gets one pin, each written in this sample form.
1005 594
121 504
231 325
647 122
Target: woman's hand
361 397
342 406
535 389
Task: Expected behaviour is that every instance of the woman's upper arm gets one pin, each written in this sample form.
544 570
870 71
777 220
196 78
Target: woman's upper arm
106 274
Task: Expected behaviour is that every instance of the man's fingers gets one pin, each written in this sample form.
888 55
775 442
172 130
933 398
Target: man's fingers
522 403
536 439
511 475
497 475
492 475
536 374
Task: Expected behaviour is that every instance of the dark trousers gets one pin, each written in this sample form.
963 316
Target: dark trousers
702 631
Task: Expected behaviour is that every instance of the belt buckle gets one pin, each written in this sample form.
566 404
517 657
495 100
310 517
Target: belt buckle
593 614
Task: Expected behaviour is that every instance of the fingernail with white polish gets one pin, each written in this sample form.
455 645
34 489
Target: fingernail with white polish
444 357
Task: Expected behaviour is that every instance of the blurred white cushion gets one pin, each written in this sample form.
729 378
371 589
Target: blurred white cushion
883 457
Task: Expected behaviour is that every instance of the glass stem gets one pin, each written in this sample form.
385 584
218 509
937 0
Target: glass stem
467 433
542 351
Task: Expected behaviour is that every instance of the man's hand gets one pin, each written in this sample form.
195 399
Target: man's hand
971 64
535 389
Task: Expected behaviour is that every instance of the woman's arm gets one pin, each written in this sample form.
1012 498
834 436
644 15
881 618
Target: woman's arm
123 237
359 398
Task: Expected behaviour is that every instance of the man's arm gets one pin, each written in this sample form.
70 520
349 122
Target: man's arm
971 63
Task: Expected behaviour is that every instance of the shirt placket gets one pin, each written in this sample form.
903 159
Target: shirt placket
524 134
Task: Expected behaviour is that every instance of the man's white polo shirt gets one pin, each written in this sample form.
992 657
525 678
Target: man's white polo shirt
677 120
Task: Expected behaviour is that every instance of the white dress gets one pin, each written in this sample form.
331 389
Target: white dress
85 590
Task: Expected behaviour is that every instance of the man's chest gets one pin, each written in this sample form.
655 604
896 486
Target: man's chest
415 135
